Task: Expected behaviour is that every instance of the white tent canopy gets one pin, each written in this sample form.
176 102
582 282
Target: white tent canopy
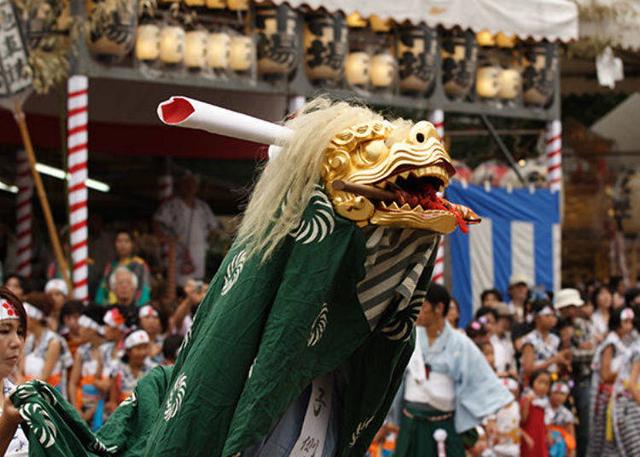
550 19
611 22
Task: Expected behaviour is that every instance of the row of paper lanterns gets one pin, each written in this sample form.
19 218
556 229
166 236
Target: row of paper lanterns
401 57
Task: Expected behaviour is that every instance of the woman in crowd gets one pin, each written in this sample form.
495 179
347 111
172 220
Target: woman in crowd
88 387
453 315
626 406
533 404
115 329
131 367
540 347
16 285
607 362
56 290
149 321
602 301
124 247
13 325
47 356
70 330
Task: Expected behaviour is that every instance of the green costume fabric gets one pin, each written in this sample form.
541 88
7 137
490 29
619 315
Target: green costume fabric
416 434
262 334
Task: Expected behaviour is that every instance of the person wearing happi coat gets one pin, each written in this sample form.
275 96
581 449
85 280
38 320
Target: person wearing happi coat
448 385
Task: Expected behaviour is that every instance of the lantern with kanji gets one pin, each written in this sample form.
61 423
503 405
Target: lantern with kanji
539 73
459 55
325 46
415 49
218 51
277 45
112 28
241 53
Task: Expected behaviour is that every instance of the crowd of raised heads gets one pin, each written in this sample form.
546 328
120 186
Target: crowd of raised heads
572 361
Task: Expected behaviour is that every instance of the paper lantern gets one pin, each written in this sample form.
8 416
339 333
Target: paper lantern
485 38
539 73
238 5
195 49
488 81
216 4
510 84
147 42
241 53
325 45
415 51
41 21
356 21
380 25
505 41
459 54
218 51
277 41
383 70
172 43
357 69
112 27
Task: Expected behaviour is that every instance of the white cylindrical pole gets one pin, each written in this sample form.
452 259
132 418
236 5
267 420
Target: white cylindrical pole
436 117
24 209
77 156
553 150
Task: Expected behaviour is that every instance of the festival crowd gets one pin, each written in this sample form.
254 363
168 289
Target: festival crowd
571 361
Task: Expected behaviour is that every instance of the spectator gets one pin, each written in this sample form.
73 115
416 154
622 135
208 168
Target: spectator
57 291
181 320
506 438
560 421
124 284
488 317
70 330
130 368
477 332
16 285
149 321
540 347
617 288
533 404
489 354
47 356
453 315
490 298
573 309
606 366
88 387
602 301
188 221
519 294
124 247
114 331
502 344
171 349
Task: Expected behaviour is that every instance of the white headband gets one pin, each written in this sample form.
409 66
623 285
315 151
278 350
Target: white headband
560 387
113 318
33 312
87 322
147 311
56 284
136 338
546 311
7 311
627 313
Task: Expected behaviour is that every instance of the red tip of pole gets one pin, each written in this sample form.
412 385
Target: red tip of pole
176 110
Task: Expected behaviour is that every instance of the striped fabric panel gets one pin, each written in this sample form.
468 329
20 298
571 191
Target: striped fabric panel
395 260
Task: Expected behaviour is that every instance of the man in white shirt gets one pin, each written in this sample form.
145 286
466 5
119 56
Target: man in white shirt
189 221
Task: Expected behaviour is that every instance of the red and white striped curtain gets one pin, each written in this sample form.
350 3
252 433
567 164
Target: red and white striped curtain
24 208
77 155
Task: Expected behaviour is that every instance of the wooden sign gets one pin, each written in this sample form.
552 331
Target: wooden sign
14 77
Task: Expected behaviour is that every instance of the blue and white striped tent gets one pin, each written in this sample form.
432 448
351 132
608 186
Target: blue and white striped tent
519 234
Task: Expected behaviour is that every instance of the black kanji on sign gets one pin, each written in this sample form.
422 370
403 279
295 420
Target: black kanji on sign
319 402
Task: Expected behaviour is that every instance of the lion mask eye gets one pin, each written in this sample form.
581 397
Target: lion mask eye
421 132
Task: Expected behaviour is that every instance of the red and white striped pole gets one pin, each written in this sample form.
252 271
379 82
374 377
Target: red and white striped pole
77 155
436 117
553 149
24 209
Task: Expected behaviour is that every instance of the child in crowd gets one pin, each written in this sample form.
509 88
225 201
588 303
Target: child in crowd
114 331
70 330
560 422
46 354
130 368
171 349
149 321
505 440
88 387
487 351
56 290
533 404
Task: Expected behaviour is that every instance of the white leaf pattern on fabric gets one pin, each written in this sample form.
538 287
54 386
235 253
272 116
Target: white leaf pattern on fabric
186 339
131 400
362 426
318 326
400 326
322 222
233 271
175 397
46 430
